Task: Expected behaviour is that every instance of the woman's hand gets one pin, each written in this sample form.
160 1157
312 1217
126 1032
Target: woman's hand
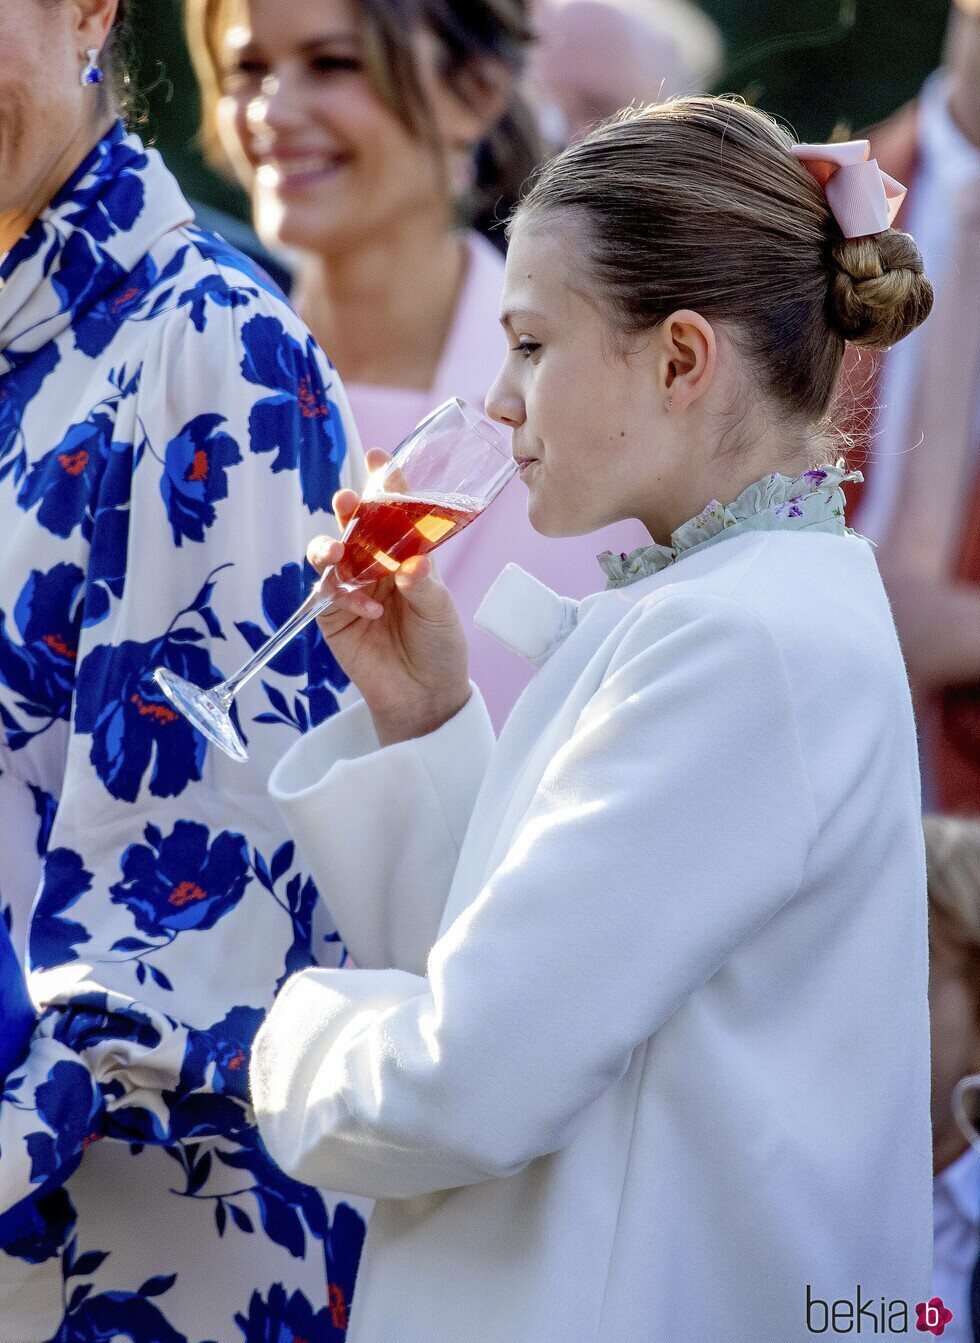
400 640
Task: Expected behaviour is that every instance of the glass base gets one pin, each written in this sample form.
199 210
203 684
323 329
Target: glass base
204 709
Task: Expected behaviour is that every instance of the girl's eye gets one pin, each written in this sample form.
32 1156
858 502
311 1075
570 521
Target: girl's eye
526 348
331 65
244 72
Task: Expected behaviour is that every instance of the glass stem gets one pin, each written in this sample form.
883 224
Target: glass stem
316 602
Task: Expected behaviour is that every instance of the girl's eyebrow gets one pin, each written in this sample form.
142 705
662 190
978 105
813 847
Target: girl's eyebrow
240 40
507 318
341 39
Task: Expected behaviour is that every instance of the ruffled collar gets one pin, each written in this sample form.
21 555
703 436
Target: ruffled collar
776 502
67 269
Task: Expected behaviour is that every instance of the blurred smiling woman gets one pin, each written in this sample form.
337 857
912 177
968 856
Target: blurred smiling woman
376 138
169 438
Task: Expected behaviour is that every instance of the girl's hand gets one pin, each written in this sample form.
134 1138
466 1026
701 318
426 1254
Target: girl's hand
400 640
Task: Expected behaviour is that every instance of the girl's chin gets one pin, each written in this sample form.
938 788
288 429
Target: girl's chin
547 521
548 518
306 226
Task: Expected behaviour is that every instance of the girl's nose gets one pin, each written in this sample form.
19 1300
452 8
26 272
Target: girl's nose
278 110
503 403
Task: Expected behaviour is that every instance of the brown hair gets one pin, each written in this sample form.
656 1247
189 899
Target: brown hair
953 878
697 202
953 873
468 33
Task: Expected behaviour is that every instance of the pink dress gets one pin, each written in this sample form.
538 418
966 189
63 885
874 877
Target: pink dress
470 562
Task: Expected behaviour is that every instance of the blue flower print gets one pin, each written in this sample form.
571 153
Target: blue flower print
307 655
87 275
111 1316
285 1319
131 722
289 1212
344 1244
132 725
214 248
109 537
181 881
299 899
70 1105
217 290
211 1097
218 1057
45 807
26 247
195 475
97 1016
53 938
63 479
41 668
298 421
115 200
18 388
109 298
84 481
106 1317
36 1229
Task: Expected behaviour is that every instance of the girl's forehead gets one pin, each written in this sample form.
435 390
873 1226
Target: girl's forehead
269 21
543 263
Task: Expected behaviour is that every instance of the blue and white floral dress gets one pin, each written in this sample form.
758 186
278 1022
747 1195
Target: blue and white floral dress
170 439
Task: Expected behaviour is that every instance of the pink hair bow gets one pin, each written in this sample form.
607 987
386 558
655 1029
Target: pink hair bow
861 197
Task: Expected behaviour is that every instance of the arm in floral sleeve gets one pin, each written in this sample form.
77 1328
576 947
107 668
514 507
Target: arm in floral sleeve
172 904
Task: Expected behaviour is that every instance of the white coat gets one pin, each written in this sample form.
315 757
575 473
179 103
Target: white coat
639 1048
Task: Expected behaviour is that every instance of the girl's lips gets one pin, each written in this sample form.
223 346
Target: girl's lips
524 464
286 176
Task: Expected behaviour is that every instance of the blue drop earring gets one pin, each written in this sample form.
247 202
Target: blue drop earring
92 74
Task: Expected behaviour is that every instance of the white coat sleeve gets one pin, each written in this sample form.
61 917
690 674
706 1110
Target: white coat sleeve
668 828
381 829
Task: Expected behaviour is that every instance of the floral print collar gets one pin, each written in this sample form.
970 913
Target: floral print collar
96 231
776 502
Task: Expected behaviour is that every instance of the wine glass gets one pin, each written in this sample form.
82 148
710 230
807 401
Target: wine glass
441 477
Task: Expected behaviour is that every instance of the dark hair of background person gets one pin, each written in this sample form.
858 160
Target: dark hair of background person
698 203
468 34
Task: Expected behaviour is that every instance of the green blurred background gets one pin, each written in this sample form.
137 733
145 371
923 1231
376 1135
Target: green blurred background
820 65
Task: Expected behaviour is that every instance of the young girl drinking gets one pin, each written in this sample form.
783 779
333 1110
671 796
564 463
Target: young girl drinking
639 1048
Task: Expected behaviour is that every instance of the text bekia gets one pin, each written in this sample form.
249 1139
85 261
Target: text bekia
873 1315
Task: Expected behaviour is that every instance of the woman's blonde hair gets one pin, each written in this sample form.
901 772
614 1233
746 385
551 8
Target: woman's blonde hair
953 874
697 202
469 34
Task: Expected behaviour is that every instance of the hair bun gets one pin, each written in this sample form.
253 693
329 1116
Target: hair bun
878 291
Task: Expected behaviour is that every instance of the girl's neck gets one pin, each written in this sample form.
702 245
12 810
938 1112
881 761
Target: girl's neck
722 473
383 310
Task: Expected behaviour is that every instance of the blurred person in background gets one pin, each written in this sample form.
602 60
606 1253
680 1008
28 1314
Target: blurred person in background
953 872
170 437
365 140
921 499
594 57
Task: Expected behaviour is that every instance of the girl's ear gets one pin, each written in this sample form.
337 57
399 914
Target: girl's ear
688 357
